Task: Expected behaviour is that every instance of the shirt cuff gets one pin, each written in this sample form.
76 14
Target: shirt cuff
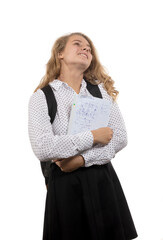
83 141
87 163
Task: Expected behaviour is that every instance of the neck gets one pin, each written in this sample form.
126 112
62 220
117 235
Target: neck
73 78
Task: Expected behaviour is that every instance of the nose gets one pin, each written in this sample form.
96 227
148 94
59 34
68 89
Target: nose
85 49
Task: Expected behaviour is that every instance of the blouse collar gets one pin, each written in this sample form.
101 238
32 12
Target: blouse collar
56 84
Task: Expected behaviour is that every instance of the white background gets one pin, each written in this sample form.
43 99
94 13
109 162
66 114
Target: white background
128 37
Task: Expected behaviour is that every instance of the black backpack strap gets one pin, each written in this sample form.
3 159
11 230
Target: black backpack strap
94 90
51 102
45 167
52 109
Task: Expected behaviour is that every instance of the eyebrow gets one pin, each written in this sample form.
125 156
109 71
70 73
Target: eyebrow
81 41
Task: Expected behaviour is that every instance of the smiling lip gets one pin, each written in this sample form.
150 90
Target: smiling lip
84 55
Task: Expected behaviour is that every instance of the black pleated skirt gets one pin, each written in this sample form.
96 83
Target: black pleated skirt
88 203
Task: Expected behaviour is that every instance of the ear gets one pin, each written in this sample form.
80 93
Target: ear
60 55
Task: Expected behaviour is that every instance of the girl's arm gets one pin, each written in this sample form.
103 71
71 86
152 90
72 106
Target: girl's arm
45 144
100 154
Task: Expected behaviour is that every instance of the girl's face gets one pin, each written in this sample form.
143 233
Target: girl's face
77 53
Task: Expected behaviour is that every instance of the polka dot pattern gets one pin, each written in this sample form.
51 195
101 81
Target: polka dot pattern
50 141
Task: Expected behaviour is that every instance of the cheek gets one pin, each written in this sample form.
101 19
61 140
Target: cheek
70 53
73 51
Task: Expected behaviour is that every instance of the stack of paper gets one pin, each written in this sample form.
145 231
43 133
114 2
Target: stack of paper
88 113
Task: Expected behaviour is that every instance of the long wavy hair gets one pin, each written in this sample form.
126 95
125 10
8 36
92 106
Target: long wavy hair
95 73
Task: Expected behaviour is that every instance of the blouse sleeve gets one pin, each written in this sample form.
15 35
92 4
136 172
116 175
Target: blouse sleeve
102 154
45 144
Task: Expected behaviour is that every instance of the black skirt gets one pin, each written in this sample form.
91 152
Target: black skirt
88 203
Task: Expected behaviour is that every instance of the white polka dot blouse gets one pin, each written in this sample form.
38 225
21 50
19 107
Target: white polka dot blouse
50 141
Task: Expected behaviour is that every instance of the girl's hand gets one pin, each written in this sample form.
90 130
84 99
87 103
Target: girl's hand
102 135
70 164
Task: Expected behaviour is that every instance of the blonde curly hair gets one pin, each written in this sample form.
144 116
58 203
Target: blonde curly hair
95 73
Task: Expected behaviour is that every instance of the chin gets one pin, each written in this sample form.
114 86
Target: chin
84 67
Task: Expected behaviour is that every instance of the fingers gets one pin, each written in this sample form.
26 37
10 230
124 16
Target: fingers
111 134
56 160
70 164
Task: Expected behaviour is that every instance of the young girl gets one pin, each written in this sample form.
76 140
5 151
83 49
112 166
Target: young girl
84 198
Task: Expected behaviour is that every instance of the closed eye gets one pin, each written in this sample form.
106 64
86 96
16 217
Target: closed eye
77 43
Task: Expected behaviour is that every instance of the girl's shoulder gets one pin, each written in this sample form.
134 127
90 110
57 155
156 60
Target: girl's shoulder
38 94
37 98
104 93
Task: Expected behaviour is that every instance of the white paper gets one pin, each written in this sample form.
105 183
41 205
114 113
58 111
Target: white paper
88 113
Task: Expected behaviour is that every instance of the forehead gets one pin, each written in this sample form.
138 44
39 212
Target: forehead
78 38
